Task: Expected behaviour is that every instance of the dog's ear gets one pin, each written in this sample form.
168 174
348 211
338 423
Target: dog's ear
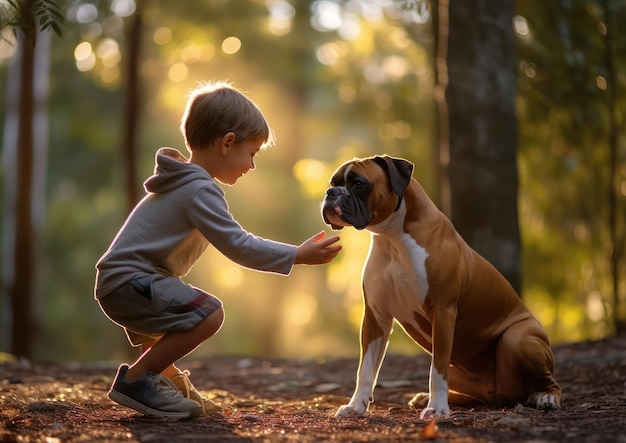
399 170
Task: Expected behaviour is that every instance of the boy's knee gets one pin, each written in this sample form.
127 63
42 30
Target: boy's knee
213 322
219 314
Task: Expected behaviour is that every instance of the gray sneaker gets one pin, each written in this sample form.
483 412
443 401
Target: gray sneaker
153 395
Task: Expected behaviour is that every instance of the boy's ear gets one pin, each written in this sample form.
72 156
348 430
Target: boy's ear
227 141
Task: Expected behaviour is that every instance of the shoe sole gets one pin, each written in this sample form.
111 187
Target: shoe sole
146 410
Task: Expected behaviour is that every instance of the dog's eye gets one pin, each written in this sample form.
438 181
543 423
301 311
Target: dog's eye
358 184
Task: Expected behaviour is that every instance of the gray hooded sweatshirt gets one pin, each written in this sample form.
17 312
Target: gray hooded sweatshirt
174 223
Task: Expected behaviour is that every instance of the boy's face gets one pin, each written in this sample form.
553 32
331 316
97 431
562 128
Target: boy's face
239 159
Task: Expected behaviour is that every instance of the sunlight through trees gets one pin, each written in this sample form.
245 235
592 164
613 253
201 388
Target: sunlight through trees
336 79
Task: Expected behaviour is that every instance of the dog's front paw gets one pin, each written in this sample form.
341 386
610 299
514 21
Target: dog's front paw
432 412
350 410
546 401
430 408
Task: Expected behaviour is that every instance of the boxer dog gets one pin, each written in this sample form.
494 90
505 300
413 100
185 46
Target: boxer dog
486 346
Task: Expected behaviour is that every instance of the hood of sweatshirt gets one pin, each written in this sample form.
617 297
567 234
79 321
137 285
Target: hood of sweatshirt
172 170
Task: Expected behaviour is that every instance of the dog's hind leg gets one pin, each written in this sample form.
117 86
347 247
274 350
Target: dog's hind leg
524 367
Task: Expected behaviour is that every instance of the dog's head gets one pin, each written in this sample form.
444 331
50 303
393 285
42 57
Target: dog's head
365 191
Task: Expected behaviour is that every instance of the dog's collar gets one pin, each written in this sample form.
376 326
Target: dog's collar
399 203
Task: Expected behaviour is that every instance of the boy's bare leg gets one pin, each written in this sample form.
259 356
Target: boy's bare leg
168 372
161 356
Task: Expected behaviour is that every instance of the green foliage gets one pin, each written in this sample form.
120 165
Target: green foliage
9 14
47 12
329 95
564 154
49 15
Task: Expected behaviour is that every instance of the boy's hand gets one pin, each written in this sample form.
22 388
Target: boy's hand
317 250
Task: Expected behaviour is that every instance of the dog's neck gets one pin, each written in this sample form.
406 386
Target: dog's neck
392 224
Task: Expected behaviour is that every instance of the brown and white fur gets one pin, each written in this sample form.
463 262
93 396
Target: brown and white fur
485 344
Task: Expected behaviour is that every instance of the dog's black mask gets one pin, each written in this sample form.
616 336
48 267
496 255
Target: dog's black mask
350 198
349 192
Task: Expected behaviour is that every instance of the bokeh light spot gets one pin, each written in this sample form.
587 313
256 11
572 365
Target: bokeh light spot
123 8
231 45
162 36
178 72
84 56
328 53
108 51
281 16
521 26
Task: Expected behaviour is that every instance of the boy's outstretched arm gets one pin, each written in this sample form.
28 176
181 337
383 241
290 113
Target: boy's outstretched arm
317 250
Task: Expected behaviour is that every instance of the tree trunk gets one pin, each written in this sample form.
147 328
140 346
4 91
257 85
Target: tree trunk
20 232
617 242
480 96
441 33
132 109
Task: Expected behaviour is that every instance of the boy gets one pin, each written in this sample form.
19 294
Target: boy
138 283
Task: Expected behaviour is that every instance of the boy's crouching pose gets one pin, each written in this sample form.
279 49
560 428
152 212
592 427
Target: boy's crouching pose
138 283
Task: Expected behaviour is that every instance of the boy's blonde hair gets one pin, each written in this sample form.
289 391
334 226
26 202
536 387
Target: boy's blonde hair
216 108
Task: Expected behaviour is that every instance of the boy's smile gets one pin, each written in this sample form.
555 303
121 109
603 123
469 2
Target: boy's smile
226 159
239 159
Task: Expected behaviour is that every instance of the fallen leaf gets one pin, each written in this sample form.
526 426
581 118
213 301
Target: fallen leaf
430 431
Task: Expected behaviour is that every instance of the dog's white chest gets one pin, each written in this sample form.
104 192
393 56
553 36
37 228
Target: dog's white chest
397 276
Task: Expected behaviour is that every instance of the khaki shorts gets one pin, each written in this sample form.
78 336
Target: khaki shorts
149 307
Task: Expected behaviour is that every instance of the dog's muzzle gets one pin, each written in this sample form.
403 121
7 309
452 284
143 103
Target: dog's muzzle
331 207
340 208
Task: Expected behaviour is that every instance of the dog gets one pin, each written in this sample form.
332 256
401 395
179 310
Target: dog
485 345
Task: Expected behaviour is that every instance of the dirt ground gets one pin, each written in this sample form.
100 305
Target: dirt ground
286 400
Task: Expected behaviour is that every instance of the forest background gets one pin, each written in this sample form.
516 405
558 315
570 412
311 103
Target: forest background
336 79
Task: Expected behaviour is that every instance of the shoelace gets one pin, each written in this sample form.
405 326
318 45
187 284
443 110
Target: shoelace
163 386
186 382
184 375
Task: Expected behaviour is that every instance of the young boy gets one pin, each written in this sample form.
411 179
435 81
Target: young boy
138 283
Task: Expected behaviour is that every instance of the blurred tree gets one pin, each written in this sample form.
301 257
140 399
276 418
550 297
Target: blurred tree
441 29
132 114
571 111
617 234
25 155
482 129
